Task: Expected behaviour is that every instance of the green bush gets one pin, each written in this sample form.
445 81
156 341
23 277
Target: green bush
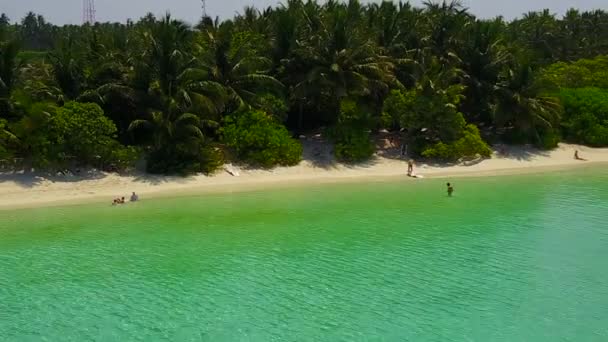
585 115
597 135
351 144
274 106
579 74
549 139
211 158
6 138
259 139
82 131
351 134
121 157
185 158
469 145
396 105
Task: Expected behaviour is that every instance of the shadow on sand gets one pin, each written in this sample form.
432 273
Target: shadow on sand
27 179
522 153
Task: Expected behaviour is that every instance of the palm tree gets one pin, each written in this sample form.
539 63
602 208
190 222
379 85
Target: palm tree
444 26
344 62
539 33
180 75
9 50
521 104
8 67
483 57
394 27
571 28
284 22
236 66
67 67
170 126
185 100
595 27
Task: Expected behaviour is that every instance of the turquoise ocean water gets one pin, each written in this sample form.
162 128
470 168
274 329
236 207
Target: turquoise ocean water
513 258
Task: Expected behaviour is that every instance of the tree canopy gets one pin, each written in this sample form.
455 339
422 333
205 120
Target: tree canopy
185 95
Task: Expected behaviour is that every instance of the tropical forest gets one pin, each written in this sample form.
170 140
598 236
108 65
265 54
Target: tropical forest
188 97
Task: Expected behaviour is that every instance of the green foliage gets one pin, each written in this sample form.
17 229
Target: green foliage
351 144
350 135
184 158
524 107
120 157
435 116
272 105
77 133
427 72
586 115
7 139
549 138
429 115
258 139
246 44
395 106
31 56
212 158
8 71
579 74
33 132
81 130
469 145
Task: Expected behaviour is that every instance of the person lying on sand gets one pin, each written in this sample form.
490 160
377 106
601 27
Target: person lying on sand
576 156
118 200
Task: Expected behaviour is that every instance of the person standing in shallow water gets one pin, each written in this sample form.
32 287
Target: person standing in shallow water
450 189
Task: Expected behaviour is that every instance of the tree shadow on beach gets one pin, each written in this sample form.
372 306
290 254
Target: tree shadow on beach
27 179
521 153
151 179
318 152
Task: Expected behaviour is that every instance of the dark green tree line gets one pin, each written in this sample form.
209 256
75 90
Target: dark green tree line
182 96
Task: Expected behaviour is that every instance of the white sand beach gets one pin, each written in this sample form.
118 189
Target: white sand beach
25 190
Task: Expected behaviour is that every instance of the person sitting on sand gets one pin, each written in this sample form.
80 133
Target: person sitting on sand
134 197
410 167
450 189
576 156
122 200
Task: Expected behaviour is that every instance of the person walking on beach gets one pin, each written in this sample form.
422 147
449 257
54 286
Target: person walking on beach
450 189
410 167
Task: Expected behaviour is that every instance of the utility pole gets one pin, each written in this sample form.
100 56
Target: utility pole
88 12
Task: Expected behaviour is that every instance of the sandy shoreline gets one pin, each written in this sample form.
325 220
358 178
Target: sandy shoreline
27 190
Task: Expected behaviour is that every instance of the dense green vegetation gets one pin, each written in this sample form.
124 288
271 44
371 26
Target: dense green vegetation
187 97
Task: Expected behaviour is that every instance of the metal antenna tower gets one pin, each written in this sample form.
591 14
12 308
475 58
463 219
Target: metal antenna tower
88 12
204 5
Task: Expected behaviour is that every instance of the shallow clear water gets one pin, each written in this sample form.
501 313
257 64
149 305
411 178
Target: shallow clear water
514 258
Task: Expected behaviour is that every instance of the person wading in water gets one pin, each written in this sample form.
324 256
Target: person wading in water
450 189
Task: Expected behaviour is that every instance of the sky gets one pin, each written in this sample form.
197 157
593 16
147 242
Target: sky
70 11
